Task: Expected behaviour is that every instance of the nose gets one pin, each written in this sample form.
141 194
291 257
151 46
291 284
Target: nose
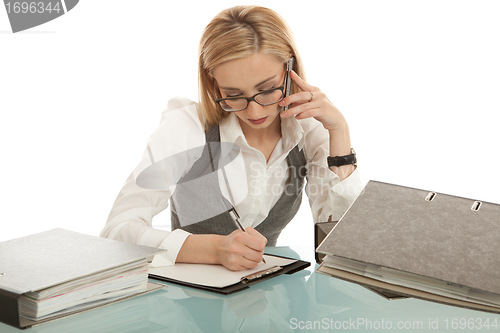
254 110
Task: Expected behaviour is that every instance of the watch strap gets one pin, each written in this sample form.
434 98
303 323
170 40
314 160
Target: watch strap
337 161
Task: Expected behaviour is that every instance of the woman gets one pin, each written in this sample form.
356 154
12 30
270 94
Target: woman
242 74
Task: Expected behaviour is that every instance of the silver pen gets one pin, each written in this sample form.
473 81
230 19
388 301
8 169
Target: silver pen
232 211
236 218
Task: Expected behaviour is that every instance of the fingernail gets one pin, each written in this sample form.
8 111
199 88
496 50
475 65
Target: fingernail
283 114
282 103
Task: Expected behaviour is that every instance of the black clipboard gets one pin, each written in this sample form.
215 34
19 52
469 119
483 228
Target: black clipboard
246 280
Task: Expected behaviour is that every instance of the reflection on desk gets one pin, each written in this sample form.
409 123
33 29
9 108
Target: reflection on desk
287 303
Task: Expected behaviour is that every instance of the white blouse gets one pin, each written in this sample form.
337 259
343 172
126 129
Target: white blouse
180 130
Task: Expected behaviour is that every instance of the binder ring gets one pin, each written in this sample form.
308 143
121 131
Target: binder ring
430 196
476 205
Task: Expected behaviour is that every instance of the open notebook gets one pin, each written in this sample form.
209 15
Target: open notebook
217 278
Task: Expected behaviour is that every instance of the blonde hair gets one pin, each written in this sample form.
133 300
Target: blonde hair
239 32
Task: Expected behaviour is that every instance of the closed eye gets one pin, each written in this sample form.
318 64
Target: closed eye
267 91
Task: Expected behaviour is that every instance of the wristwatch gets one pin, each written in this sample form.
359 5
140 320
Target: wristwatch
342 160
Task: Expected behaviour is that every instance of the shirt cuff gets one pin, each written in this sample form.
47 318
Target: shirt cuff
172 244
350 187
342 195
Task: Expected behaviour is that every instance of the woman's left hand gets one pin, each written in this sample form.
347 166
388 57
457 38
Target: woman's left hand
312 102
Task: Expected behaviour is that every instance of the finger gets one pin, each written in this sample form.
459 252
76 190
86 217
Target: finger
252 257
297 99
251 263
241 264
302 107
303 85
308 113
244 256
303 110
250 244
240 257
244 263
257 235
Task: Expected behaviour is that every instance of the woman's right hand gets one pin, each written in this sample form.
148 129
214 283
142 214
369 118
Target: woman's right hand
240 251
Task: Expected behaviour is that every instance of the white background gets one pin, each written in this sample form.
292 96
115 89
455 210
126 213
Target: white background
418 82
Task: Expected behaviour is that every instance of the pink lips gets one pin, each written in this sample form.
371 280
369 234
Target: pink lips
257 121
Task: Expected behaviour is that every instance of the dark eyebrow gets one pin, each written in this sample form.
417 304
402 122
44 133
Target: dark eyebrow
257 85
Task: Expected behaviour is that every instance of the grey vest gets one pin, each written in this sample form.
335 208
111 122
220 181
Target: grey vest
188 205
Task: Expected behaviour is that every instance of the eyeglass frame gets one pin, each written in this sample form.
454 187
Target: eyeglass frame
250 99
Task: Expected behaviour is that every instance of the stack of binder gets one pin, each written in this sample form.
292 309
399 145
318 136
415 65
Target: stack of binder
419 244
57 273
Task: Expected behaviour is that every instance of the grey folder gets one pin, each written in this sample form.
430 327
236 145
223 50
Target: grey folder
430 234
56 256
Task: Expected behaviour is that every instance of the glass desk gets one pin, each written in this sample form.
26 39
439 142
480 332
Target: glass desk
304 301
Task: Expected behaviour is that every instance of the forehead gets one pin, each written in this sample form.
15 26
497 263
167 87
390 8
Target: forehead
248 71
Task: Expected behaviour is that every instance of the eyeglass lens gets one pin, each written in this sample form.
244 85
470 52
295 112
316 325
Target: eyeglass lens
264 98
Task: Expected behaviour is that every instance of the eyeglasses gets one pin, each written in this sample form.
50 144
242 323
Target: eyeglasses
264 98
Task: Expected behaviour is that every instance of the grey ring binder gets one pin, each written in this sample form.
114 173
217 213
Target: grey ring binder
55 257
410 236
